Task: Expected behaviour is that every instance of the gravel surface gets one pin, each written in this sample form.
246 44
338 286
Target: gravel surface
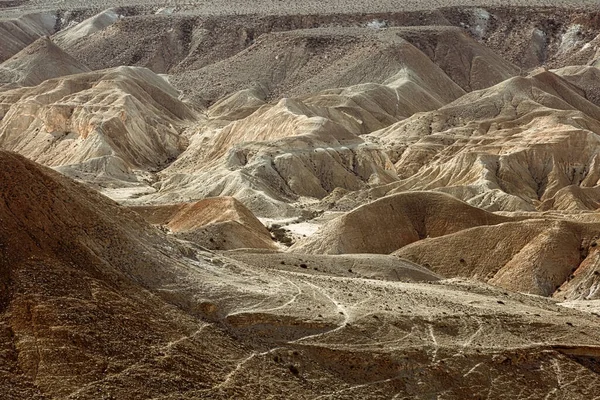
278 7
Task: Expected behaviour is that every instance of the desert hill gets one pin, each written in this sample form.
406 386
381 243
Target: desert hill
469 64
300 62
534 256
38 62
89 277
20 32
77 31
392 222
75 268
275 155
209 57
548 257
308 200
507 142
97 125
314 144
221 223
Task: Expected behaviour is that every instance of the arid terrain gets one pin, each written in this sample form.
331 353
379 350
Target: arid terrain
269 199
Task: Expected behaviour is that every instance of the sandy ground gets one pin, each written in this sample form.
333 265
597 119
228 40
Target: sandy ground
122 195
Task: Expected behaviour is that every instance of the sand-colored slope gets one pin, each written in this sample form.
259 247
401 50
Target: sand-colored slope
238 105
96 124
519 142
38 62
548 257
76 314
221 223
507 104
308 146
534 256
585 78
387 224
574 198
277 154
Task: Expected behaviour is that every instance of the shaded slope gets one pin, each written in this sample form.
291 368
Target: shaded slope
46 215
73 270
301 62
534 256
466 61
38 62
66 38
392 222
104 40
20 32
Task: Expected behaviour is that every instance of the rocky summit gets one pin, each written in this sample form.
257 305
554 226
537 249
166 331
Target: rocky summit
273 199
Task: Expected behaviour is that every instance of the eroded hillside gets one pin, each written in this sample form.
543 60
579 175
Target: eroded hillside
307 200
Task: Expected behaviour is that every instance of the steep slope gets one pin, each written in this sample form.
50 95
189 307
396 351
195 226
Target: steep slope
67 38
301 62
535 256
392 222
97 126
573 198
272 157
19 33
530 36
583 77
104 40
38 62
75 315
467 62
220 223
514 145
307 146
